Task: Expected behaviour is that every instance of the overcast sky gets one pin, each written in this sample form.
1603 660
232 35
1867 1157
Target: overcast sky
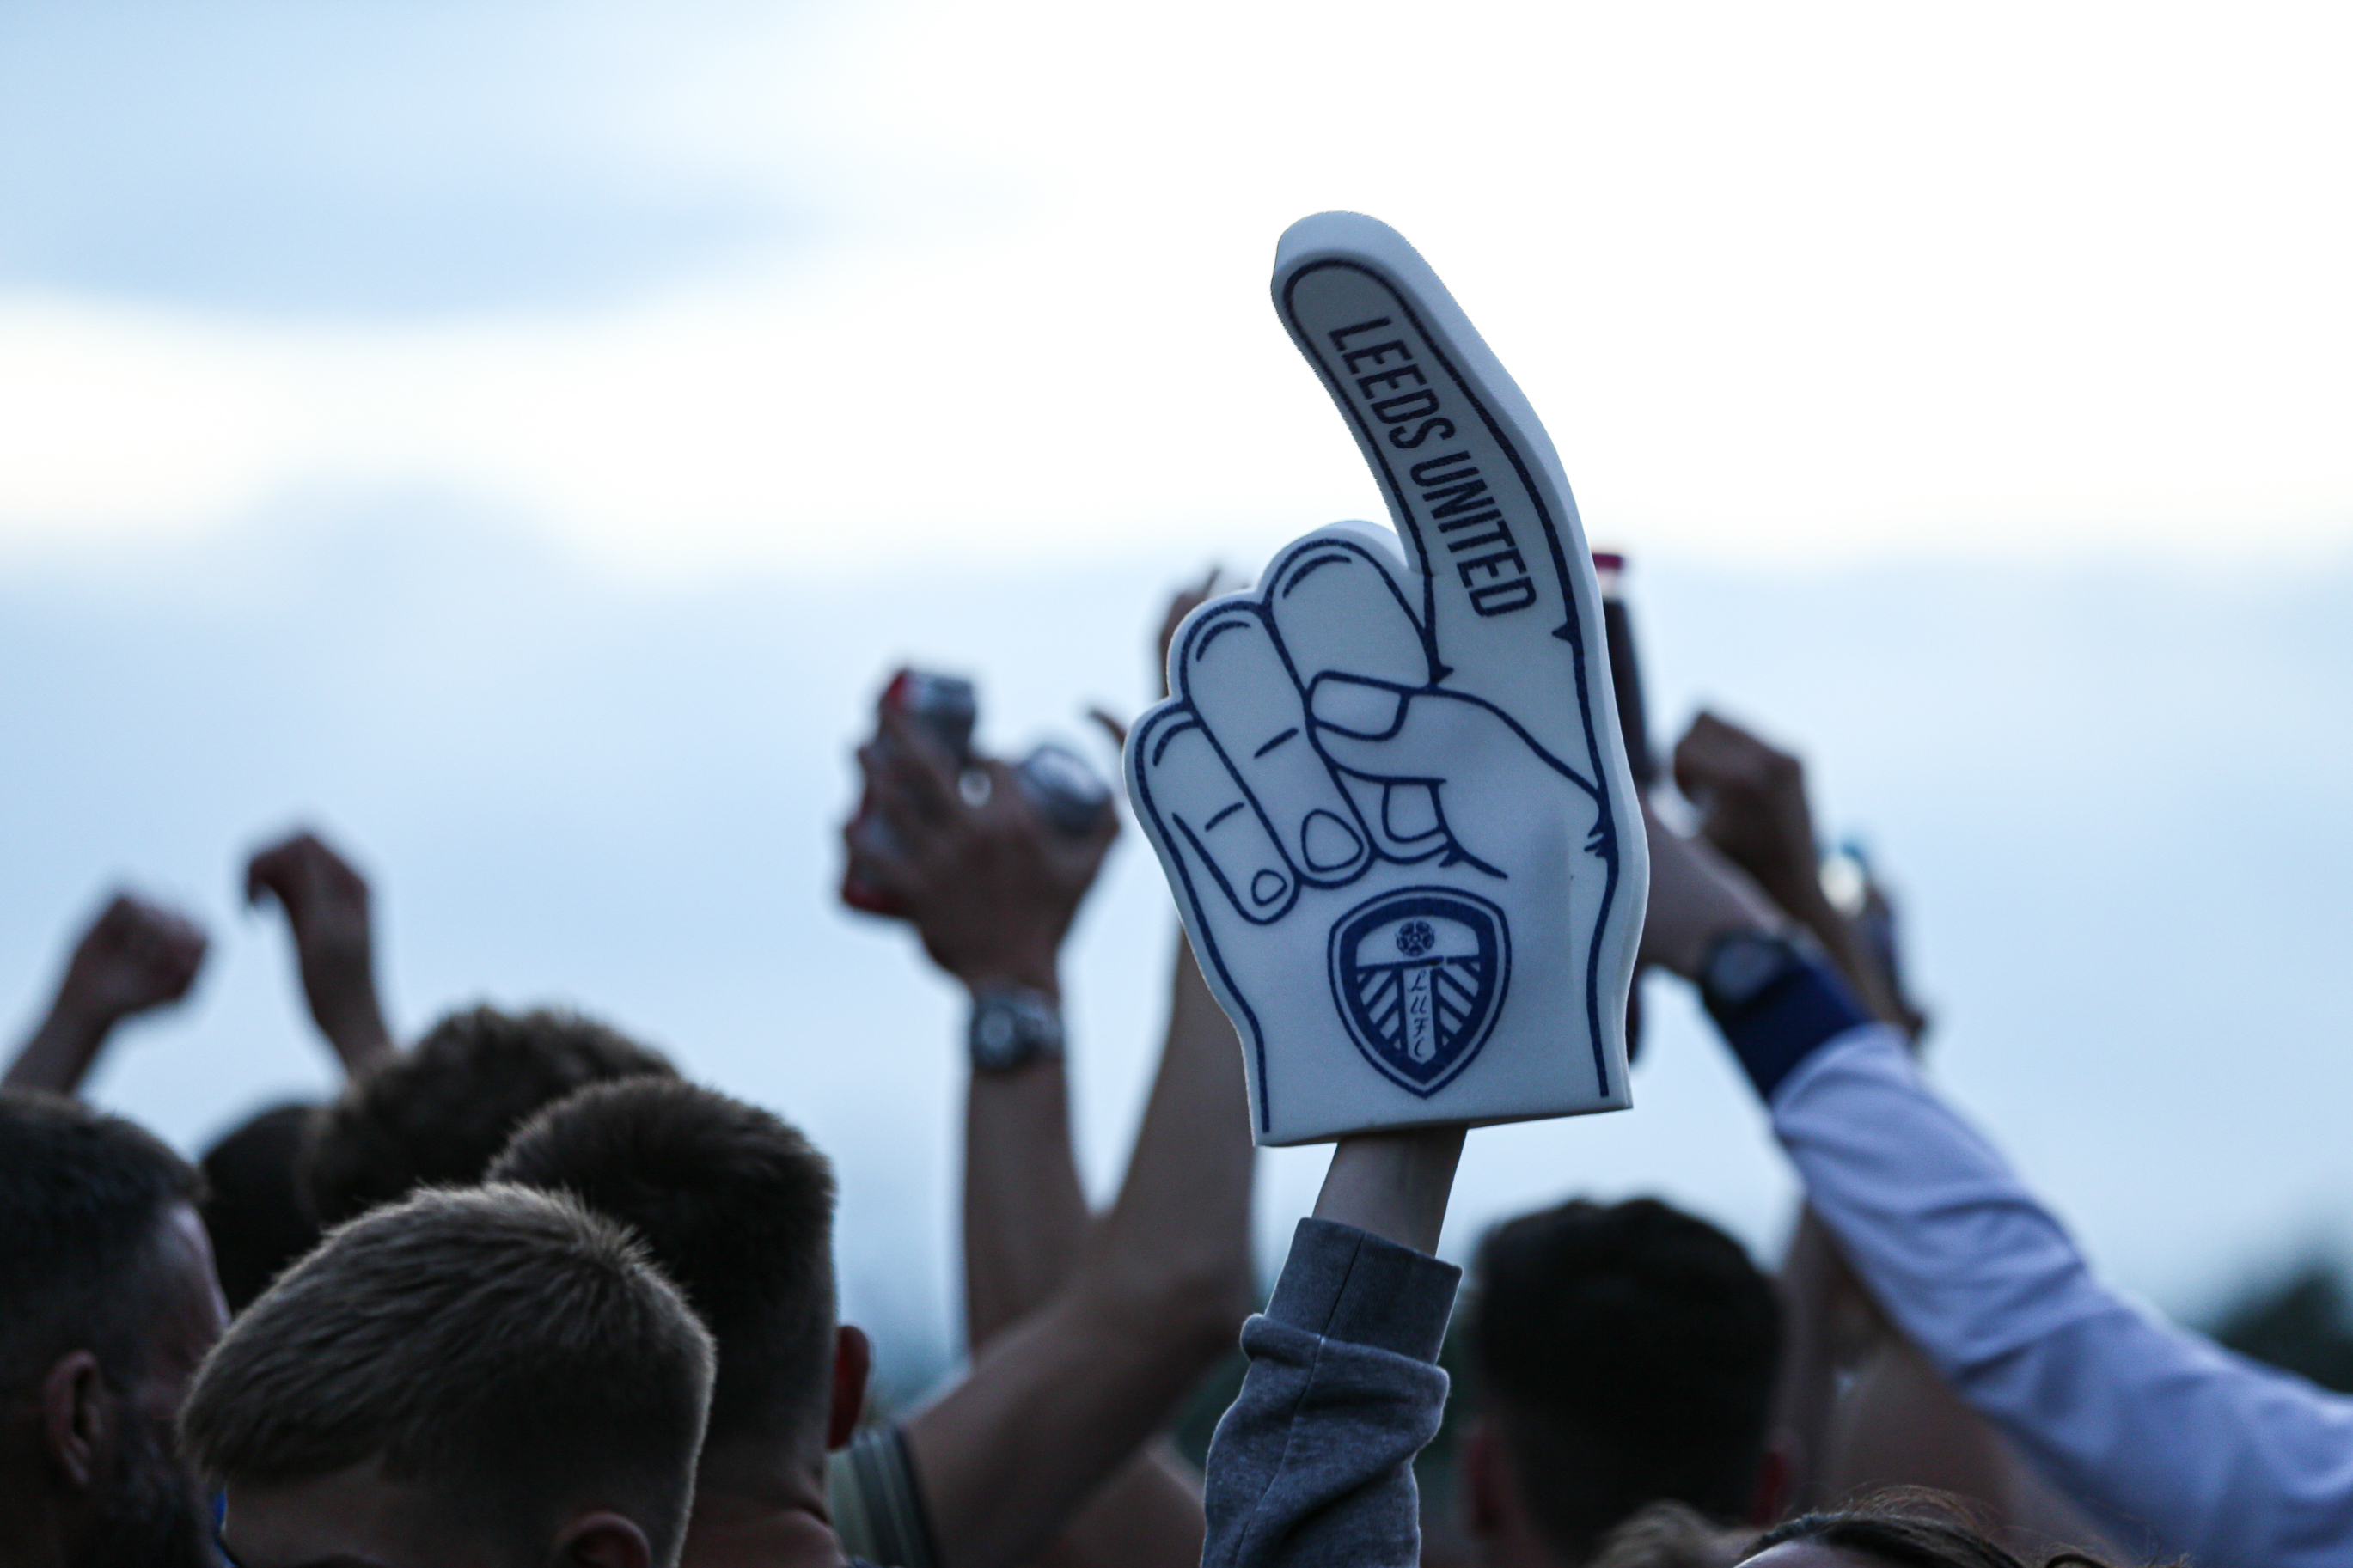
520 435
811 284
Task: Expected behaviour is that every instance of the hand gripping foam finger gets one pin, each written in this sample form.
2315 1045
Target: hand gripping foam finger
1413 870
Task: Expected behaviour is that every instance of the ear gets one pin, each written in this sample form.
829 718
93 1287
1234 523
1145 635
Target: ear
853 1358
1490 1499
601 1540
1777 1474
78 1417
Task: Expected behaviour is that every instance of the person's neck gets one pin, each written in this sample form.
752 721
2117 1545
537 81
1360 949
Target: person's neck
759 1504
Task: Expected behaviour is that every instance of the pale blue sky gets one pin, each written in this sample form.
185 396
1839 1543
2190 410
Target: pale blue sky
518 437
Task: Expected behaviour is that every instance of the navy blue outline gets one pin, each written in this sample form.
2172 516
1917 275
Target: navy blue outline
1568 631
1199 635
1140 787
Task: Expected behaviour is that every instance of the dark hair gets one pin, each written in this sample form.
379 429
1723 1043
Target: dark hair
83 1197
1910 1529
437 1115
735 1207
1629 1352
253 1207
512 1355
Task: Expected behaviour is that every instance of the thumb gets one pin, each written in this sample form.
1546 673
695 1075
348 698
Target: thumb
1378 731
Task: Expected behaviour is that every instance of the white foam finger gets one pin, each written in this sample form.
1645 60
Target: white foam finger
1341 609
1506 586
1197 811
1338 610
1235 679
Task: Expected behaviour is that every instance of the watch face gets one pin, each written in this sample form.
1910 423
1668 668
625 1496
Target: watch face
995 1036
1008 1029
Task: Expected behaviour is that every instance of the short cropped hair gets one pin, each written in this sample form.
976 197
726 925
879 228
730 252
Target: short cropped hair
735 1207
83 1197
437 1114
505 1351
1631 1351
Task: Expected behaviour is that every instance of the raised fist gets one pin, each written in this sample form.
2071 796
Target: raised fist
326 902
136 955
1413 876
986 878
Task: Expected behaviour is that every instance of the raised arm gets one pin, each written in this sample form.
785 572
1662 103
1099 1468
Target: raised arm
2180 1448
135 956
1754 809
1894 1424
326 901
1059 1403
1313 1465
991 888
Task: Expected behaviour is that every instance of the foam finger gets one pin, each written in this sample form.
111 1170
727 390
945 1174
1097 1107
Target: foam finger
1237 681
1338 611
1472 482
1192 801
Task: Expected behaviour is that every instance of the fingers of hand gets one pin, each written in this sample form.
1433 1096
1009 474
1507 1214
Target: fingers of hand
1242 690
303 873
922 767
913 815
1714 757
137 953
1205 815
1111 723
901 764
266 874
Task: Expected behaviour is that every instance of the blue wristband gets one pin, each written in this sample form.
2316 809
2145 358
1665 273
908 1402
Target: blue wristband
1798 1013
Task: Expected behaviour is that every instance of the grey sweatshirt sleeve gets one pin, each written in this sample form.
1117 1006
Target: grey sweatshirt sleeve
1313 1464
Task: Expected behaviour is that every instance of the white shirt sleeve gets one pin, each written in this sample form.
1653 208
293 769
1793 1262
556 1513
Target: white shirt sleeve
2175 1443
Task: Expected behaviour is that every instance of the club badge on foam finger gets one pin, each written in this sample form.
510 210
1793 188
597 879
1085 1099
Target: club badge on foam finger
1387 789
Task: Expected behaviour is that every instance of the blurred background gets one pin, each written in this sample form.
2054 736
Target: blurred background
520 438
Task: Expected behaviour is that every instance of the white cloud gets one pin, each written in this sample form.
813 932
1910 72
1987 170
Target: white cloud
1809 284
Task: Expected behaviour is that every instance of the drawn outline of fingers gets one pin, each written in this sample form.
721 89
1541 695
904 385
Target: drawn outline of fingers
1242 692
1192 797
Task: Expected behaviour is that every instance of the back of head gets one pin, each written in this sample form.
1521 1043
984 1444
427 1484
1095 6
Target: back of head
83 1199
1668 1535
512 1356
1629 1354
735 1207
437 1115
253 1205
1907 1529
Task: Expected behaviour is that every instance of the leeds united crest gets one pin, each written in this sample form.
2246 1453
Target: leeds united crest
1420 975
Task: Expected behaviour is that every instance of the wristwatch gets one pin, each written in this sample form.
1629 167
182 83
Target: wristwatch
1011 1025
1741 966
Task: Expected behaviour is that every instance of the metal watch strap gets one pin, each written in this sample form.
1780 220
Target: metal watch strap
1012 1026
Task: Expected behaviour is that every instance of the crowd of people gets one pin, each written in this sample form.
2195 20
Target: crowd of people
522 1294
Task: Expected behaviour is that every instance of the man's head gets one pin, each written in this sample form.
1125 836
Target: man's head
253 1205
107 1305
1625 1355
736 1207
465 1380
437 1114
